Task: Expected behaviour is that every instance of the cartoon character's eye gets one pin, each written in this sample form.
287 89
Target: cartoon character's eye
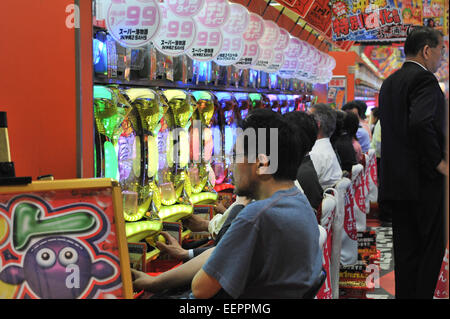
68 256
45 258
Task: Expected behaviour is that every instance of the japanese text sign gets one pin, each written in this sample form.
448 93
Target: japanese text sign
270 36
232 50
283 40
133 23
214 13
185 8
176 34
366 21
255 29
250 56
238 20
207 45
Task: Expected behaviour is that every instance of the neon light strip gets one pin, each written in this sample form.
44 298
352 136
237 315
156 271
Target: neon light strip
137 231
175 212
205 196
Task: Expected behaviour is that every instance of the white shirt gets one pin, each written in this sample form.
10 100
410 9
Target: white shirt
326 163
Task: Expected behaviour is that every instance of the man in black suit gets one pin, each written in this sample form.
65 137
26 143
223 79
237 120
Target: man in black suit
413 166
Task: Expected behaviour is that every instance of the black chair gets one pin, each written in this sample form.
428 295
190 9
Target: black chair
312 292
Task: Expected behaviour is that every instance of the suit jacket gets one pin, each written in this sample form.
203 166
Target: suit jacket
412 118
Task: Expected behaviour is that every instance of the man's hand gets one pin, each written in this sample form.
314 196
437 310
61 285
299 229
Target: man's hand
173 248
220 208
141 281
243 200
196 223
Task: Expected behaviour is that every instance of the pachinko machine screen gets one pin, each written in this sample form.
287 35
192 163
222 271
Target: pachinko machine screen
244 103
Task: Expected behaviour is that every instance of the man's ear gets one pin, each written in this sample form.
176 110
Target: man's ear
426 51
262 164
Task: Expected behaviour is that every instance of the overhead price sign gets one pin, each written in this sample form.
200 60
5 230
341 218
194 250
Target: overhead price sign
133 23
207 45
233 43
252 50
185 8
176 35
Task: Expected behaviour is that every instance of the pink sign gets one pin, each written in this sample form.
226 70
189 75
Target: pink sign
238 20
255 29
294 48
176 34
277 62
185 8
300 72
250 56
232 50
306 52
207 45
265 59
283 40
289 67
133 23
270 36
214 14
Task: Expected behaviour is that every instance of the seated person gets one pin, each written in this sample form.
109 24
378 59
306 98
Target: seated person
272 248
351 124
322 154
306 126
343 144
216 227
363 132
181 277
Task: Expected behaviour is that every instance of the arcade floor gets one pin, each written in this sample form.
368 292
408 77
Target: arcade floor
386 288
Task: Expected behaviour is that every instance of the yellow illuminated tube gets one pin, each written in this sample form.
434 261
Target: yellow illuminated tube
205 197
137 231
175 212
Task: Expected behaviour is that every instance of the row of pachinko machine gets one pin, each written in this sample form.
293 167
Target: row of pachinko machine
170 149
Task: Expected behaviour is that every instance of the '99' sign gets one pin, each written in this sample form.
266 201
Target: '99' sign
133 23
207 45
176 35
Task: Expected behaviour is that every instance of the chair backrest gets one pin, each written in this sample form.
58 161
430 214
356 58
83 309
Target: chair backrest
349 245
341 188
322 236
328 208
356 170
372 173
312 292
359 196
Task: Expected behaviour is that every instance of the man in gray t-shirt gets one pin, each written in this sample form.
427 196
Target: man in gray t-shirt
271 250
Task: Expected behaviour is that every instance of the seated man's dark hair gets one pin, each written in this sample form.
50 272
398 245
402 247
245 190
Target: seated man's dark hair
340 129
306 128
289 147
351 123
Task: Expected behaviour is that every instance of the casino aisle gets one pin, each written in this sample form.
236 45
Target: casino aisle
386 289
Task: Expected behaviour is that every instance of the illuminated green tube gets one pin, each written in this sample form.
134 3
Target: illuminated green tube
175 212
203 197
111 163
137 231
